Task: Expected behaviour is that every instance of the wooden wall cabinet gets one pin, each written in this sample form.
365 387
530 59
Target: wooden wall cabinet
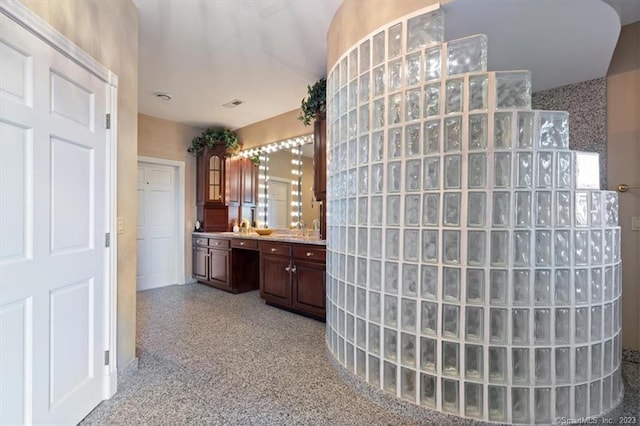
292 277
320 157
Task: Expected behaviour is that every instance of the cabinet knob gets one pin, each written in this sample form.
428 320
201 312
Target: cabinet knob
294 269
309 254
287 268
273 250
241 243
217 243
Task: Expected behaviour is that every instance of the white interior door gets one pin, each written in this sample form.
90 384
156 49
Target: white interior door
157 259
52 232
278 204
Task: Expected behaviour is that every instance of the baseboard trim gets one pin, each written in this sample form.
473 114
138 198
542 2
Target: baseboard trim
129 370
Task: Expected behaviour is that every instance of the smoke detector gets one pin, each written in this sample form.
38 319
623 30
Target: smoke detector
163 96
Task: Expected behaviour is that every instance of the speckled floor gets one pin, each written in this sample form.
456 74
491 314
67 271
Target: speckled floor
210 357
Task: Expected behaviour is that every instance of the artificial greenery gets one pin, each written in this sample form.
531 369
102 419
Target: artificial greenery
212 136
255 159
315 102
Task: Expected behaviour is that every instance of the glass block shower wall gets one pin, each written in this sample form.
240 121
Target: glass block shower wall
473 264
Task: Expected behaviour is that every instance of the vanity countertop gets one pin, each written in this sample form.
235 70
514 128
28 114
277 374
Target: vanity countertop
283 238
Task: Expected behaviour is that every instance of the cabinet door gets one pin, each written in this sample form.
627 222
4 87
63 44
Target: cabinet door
309 287
319 158
200 261
234 179
219 266
275 279
249 182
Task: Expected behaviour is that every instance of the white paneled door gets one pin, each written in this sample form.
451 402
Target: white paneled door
157 259
52 232
278 204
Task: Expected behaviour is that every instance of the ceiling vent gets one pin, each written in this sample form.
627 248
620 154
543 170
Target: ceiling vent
234 103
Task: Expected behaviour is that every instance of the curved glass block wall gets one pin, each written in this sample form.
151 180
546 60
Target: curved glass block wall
473 264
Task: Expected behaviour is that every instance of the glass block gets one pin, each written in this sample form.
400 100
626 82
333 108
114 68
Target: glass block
608 320
451 283
497 403
450 403
393 210
581 325
477 173
374 337
394 106
390 343
363 119
349 355
363 180
432 137
454 96
521 287
497 364
607 357
451 247
391 277
413 173
596 323
543 248
430 209
498 325
501 209
502 130
452 134
562 247
408 384
542 325
429 282
563 403
478 92
412 105
513 89
450 358
432 173
433 63
365 55
363 149
606 393
545 169
451 209
361 363
363 209
408 349
525 170
394 176
389 377
554 129
429 318
467 54
343 71
611 209
473 400
580 398
502 170
429 246
475 285
376 209
475 323
452 168
410 281
520 405
594 398
608 252
428 390
564 174
412 209
542 287
525 130
428 354
520 366
543 365
581 248
374 307
581 209
395 41
522 248
350 306
395 75
543 208
596 208
477 132
581 286
499 248
450 320
425 29
411 245
542 410
563 286
413 70
378 48
563 324
476 248
563 369
581 363
476 209
520 326
432 100
498 287
378 116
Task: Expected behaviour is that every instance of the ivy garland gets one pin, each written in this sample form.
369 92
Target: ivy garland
315 103
210 137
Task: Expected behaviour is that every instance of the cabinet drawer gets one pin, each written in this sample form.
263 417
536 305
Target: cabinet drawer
277 249
245 244
316 254
200 242
218 243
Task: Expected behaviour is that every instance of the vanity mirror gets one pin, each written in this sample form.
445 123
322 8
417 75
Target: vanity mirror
285 184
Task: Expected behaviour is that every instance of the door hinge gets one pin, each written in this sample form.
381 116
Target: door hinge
107 239
106 357
108 123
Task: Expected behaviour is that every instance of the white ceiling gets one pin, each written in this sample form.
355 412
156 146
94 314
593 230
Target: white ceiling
206 53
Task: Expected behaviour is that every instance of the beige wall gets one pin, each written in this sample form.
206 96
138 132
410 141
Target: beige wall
169 140
623 152
108 31
274 129
355 19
